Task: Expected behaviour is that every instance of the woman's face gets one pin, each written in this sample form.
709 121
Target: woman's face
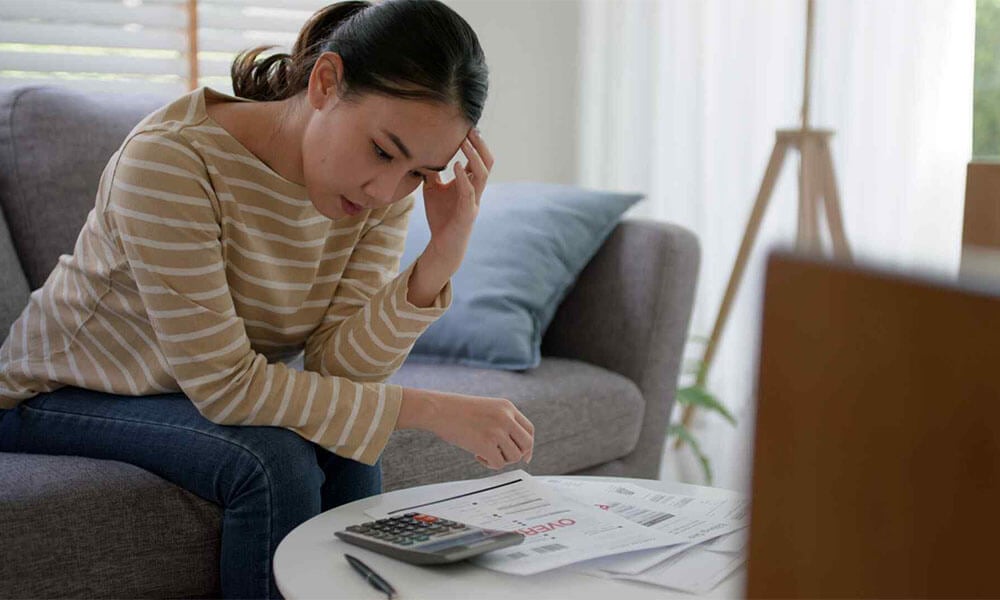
349 153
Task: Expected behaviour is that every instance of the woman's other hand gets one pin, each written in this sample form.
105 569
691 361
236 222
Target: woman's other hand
492 429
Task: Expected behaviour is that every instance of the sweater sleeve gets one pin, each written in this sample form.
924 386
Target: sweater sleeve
370 327
165 217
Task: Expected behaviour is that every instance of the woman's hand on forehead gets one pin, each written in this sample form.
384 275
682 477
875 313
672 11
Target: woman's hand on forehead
452 207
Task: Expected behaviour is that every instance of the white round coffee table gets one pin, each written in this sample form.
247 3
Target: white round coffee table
309 563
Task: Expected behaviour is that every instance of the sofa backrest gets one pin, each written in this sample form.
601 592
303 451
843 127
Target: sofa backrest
54 144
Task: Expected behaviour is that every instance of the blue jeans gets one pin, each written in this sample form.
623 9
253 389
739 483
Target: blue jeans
267 480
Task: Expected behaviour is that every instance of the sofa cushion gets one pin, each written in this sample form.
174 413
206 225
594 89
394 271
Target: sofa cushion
583 416
54 144
80 527
530 242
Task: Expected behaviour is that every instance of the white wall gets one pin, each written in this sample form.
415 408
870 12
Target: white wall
530 119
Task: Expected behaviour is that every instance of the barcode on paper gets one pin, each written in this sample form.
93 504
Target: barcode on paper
517 556
638 515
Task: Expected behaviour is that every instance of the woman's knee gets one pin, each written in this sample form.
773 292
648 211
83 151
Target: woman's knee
282 460
348 480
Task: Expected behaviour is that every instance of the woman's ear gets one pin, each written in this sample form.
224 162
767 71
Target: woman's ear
325 80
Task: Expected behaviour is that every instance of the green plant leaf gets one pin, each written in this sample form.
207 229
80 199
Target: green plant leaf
682 432
696 395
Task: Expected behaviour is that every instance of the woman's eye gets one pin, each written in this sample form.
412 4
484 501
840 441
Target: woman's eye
381 153
383 156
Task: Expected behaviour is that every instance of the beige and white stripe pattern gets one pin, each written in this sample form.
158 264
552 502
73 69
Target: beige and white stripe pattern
199 268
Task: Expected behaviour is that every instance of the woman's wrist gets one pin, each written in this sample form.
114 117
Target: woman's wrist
427 279
418 409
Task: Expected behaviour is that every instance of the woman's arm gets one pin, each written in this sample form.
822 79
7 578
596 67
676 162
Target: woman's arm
491 428
164 216
371 324
426 281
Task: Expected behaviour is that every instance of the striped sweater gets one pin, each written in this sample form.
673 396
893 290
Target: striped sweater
201 270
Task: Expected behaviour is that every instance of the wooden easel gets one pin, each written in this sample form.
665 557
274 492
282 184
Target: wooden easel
817 191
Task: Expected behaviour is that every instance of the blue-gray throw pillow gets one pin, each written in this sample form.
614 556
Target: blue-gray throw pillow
528 245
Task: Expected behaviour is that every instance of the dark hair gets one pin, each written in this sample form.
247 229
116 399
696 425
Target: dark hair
412 49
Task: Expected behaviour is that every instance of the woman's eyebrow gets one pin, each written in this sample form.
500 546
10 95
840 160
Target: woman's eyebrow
406 152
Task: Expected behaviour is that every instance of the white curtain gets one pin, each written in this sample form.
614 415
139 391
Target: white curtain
681 99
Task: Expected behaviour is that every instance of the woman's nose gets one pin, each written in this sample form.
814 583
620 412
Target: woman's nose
382 189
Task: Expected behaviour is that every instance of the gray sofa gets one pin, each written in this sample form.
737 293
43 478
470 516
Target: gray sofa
73 526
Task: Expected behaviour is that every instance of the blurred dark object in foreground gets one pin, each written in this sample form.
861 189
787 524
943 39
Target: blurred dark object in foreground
877 452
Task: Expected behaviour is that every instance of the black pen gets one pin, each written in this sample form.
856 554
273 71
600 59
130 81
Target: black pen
371 576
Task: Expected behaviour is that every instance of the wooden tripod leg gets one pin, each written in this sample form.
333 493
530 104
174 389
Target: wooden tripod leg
831 200
806 216
749 236
810 187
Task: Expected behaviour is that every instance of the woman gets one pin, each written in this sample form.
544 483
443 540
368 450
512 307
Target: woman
230 234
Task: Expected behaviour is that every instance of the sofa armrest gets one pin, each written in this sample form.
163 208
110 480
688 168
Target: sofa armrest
629 312
15 292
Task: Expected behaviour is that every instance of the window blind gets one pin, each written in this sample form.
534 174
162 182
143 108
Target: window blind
138 45
226 27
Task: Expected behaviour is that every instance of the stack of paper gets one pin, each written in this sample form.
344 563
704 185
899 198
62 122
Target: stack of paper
605 529
715 529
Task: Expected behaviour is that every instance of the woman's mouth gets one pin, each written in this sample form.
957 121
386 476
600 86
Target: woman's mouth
349 207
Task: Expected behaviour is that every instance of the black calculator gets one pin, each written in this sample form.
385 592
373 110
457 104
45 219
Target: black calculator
427 540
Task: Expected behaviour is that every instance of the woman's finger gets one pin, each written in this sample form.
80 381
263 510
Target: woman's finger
509 451
475 163
493 459
524 422
523 440
481 148
464 185
433 180
529 429
496 459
